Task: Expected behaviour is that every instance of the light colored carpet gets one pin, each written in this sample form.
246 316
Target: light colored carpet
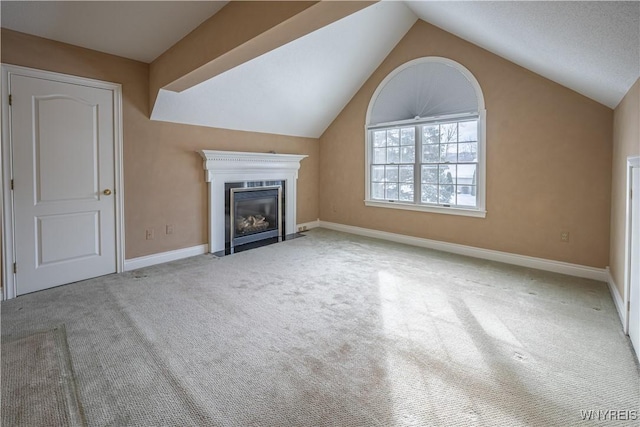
338 330
38 387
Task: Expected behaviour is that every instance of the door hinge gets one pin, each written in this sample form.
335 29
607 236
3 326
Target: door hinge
12 184
629 305
15 268
10 99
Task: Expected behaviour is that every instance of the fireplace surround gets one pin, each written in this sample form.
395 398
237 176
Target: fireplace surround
223 168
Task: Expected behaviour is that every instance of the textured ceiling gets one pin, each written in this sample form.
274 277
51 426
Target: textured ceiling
592 47
299 88
140 30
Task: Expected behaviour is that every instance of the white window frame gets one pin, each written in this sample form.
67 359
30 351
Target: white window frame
480 210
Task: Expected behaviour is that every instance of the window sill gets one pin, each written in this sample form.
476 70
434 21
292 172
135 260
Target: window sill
422 208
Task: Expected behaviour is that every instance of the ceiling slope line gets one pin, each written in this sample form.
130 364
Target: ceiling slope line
296 20
299 88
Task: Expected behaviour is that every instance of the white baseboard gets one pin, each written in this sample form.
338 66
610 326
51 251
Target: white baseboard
577 270
308 225
149 260
617 299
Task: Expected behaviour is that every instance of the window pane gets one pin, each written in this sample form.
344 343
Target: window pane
468 131
391 191
408 136
408 154
448 161
377 173
447 194
429 194
406 174
430 174
466 195
377 191
447 174
430 153
393 154
468 152
391 174
379 138
393 137
406 192
449 133
449 153
430 134
466 175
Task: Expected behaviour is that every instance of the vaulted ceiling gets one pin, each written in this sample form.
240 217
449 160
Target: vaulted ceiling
299 87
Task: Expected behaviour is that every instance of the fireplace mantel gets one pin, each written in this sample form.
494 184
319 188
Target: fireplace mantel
222 167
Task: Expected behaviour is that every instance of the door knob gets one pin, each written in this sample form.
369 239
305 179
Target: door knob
107 192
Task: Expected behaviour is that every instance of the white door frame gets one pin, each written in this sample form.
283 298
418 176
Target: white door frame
632 162
6 197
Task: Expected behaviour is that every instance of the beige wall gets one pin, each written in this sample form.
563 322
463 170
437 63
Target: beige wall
163 175
548 161
626 142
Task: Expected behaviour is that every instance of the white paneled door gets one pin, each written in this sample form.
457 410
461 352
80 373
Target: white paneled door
63 182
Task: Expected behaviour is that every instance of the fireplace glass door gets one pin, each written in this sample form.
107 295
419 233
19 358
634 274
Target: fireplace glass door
255 214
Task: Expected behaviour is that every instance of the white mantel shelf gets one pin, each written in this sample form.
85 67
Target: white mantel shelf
222 167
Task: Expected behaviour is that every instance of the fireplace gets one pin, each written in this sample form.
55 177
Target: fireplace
233 169
254 211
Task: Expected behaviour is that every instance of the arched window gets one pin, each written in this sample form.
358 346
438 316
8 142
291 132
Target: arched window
425 140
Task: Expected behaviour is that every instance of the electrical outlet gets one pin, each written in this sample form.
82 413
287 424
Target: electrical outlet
169 229
150 234
564 236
